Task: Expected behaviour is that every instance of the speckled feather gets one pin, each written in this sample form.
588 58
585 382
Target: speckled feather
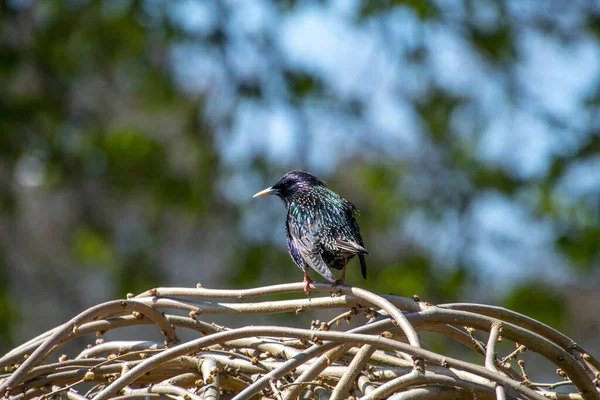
324 223
321 227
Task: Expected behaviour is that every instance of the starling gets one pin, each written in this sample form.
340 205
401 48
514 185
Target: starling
321 230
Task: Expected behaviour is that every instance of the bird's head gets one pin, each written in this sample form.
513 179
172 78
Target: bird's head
292 183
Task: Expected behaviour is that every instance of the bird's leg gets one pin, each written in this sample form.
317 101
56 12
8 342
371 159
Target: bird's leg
307 282
343 277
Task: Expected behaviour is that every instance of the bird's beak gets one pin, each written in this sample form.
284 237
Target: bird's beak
266 192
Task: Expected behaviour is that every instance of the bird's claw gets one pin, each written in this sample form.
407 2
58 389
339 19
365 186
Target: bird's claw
307 282
337 282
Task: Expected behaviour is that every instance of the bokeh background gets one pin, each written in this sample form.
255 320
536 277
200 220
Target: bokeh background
133 135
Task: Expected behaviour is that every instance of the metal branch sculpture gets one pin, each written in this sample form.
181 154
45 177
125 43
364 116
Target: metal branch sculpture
383 358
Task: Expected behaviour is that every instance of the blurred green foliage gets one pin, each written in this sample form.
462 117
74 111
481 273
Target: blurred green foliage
113 162
92 248
9 314
540 302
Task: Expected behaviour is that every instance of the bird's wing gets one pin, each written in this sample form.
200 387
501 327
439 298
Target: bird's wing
354 248
312 255
305 235
350 246
351 213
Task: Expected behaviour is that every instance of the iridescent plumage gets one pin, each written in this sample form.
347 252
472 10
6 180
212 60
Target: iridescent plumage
321 227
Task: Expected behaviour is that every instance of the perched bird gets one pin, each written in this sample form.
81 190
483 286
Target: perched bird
321 228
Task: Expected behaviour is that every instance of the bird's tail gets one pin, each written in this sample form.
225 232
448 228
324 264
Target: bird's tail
363 265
